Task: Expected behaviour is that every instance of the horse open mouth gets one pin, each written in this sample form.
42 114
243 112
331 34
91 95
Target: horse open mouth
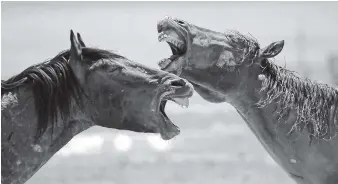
168 130
177 44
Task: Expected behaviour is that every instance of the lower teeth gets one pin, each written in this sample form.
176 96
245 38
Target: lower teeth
164 63
183 102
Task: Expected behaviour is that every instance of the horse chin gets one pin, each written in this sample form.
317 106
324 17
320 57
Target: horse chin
169 131
180 96
167 128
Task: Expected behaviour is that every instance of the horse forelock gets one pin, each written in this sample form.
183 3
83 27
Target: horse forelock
245 45
242 42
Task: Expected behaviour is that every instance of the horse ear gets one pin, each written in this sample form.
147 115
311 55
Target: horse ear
81 40
272 50
75 47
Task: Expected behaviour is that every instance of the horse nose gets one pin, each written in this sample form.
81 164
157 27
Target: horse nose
159 27
178 83
161 24
181 87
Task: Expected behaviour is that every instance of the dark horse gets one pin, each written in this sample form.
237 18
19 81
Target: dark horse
47 104
295 119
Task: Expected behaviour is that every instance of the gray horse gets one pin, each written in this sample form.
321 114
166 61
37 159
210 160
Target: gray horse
295 119
47 104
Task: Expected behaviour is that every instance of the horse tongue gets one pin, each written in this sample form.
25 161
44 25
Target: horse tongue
184 102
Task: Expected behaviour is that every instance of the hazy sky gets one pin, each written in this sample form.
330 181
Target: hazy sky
35 31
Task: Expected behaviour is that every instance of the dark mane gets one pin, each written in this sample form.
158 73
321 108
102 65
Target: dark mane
316 104
54 85
246 46
240 41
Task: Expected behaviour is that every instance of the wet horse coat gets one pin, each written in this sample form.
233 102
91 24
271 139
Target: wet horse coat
295 119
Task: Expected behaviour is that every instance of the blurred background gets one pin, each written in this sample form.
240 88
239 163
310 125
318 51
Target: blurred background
215 146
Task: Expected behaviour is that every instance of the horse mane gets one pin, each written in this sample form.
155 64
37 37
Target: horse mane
316 104
54 85
246 47
241 42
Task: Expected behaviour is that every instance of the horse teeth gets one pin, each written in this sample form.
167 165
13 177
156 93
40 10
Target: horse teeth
162 36
161 62
183 102
175 42
162 39
164 63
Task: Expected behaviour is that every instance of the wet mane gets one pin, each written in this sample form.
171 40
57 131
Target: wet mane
54 85
316 104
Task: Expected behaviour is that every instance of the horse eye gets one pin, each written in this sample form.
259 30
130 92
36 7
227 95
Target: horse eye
180 22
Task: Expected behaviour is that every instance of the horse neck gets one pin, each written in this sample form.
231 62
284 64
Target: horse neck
263 121
19 128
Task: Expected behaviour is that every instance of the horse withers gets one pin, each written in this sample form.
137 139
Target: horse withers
46 105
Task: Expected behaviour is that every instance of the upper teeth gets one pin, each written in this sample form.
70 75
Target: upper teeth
164 37
184 102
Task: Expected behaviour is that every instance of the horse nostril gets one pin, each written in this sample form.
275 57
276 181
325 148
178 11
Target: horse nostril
159 28
178 83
